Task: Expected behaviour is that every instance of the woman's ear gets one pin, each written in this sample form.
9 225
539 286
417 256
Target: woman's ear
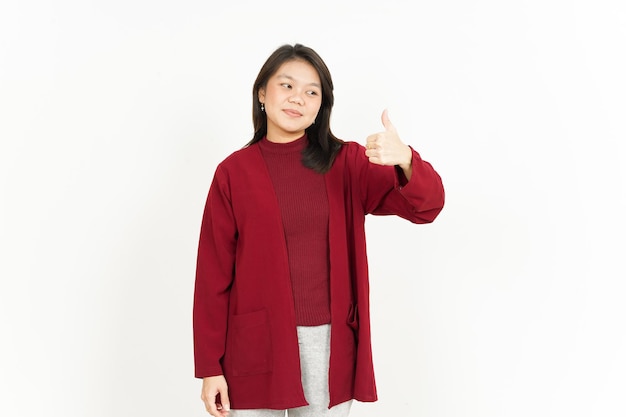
261 95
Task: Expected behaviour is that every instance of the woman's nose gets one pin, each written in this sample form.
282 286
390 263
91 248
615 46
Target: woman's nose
296 99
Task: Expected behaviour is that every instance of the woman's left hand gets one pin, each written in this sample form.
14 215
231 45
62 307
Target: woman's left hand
386 148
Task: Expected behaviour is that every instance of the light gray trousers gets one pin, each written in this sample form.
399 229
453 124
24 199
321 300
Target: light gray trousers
314 343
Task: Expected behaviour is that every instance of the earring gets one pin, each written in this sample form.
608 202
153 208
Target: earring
262 106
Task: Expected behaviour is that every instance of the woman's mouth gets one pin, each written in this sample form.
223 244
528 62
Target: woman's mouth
292 113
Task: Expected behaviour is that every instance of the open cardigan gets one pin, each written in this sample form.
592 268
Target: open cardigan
243 314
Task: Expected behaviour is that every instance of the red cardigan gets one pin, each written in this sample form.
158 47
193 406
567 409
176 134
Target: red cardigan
243 313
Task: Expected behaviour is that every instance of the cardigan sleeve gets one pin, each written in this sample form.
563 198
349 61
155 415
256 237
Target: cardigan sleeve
214 275
386 191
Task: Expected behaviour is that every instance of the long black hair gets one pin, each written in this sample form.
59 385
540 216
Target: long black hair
323 144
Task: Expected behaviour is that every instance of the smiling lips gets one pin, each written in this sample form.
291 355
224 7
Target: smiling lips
292 113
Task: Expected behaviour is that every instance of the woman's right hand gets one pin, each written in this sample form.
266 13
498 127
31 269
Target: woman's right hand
215 395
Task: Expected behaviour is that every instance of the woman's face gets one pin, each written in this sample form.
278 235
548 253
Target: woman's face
292 99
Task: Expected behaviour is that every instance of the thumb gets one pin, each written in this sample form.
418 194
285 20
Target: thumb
386 122
224 399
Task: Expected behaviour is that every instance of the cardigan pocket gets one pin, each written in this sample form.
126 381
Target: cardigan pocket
251 344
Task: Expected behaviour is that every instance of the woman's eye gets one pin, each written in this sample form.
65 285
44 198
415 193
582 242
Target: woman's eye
286 85
312 93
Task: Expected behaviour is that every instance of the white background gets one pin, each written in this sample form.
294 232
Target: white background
114 114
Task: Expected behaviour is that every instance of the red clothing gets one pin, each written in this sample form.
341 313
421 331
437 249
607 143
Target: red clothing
244 319
301 195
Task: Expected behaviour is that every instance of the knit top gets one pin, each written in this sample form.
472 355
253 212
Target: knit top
301 195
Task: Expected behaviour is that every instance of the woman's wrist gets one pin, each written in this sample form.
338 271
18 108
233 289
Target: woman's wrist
407 165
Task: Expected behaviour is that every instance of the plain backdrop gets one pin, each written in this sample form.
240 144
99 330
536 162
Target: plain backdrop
114 115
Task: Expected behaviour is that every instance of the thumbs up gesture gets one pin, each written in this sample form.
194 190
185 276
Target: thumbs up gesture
386 148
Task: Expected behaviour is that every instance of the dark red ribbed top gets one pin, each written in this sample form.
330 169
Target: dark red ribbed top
301 194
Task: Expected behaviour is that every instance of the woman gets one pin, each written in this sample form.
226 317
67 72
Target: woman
281 303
